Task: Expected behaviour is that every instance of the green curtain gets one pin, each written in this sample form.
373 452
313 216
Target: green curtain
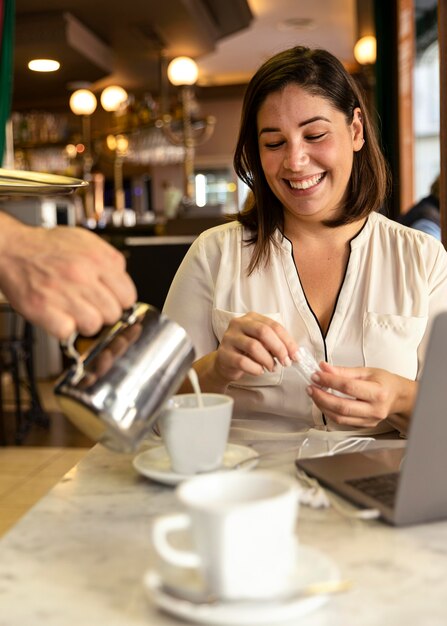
6 67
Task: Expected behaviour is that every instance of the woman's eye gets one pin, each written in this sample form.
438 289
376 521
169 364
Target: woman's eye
316 137
274 144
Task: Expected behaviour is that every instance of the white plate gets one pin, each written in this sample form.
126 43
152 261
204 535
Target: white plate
312 567
155 463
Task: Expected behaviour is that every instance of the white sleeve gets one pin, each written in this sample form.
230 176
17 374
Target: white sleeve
190 298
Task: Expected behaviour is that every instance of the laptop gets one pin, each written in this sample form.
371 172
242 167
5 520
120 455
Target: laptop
406 485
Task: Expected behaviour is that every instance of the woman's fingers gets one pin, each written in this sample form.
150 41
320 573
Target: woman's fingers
234 364
346 411
261 338
252 344
364 396
354 382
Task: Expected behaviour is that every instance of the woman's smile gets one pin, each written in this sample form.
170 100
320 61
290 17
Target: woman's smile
306 184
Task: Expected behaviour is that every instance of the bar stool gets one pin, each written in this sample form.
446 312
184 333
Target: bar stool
16 359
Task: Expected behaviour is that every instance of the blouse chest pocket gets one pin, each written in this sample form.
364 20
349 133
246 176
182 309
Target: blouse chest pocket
221 320
391 342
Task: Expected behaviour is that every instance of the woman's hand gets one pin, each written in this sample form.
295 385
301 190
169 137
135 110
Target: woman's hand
374 395
250 345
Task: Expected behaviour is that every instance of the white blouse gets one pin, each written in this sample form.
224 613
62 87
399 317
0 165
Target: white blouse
395 283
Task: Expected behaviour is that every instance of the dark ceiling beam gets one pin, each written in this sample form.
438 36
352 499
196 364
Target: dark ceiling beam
132 38
46 33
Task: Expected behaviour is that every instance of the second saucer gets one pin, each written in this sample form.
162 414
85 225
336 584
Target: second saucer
156 465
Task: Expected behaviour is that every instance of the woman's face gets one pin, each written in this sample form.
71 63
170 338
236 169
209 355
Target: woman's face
306 149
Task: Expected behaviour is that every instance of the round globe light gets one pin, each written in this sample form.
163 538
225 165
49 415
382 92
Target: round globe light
112 97
183 71
365 50
83 102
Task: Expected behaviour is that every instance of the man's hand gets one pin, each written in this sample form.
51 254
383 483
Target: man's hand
63 279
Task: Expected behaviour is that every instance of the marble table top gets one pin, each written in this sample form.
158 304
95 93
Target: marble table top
79 556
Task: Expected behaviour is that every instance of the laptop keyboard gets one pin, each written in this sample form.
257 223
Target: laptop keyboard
382 487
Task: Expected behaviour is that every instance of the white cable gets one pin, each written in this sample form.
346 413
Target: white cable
315 496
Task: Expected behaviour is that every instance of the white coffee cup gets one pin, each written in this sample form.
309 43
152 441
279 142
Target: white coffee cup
195 436
243 532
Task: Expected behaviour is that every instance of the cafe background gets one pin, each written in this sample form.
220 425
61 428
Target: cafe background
158 156
135 159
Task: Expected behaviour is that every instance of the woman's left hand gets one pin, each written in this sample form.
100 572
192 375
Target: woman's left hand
374 395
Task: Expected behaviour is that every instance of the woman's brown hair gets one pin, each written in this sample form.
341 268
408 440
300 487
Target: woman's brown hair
321 74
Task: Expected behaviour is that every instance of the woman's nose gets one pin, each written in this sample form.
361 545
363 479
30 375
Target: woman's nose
296 158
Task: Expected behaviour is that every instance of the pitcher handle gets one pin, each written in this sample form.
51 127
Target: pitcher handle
68 345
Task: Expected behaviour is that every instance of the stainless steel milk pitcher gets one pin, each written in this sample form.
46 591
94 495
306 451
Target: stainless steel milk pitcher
115 391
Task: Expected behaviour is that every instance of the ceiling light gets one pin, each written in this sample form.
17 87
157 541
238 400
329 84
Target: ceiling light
112 97
83 102
44 65
183 71
365 50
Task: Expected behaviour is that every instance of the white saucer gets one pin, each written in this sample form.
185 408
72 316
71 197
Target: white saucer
312 567
155 463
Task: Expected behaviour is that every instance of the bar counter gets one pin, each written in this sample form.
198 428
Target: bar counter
79 556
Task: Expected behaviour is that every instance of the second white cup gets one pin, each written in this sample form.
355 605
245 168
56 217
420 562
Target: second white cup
243 532
195 436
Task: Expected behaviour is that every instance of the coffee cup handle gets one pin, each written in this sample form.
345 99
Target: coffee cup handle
154 433
162 527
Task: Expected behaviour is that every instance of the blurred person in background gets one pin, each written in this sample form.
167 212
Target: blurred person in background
424 215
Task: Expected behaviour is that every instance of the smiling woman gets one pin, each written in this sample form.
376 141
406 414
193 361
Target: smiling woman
310 262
